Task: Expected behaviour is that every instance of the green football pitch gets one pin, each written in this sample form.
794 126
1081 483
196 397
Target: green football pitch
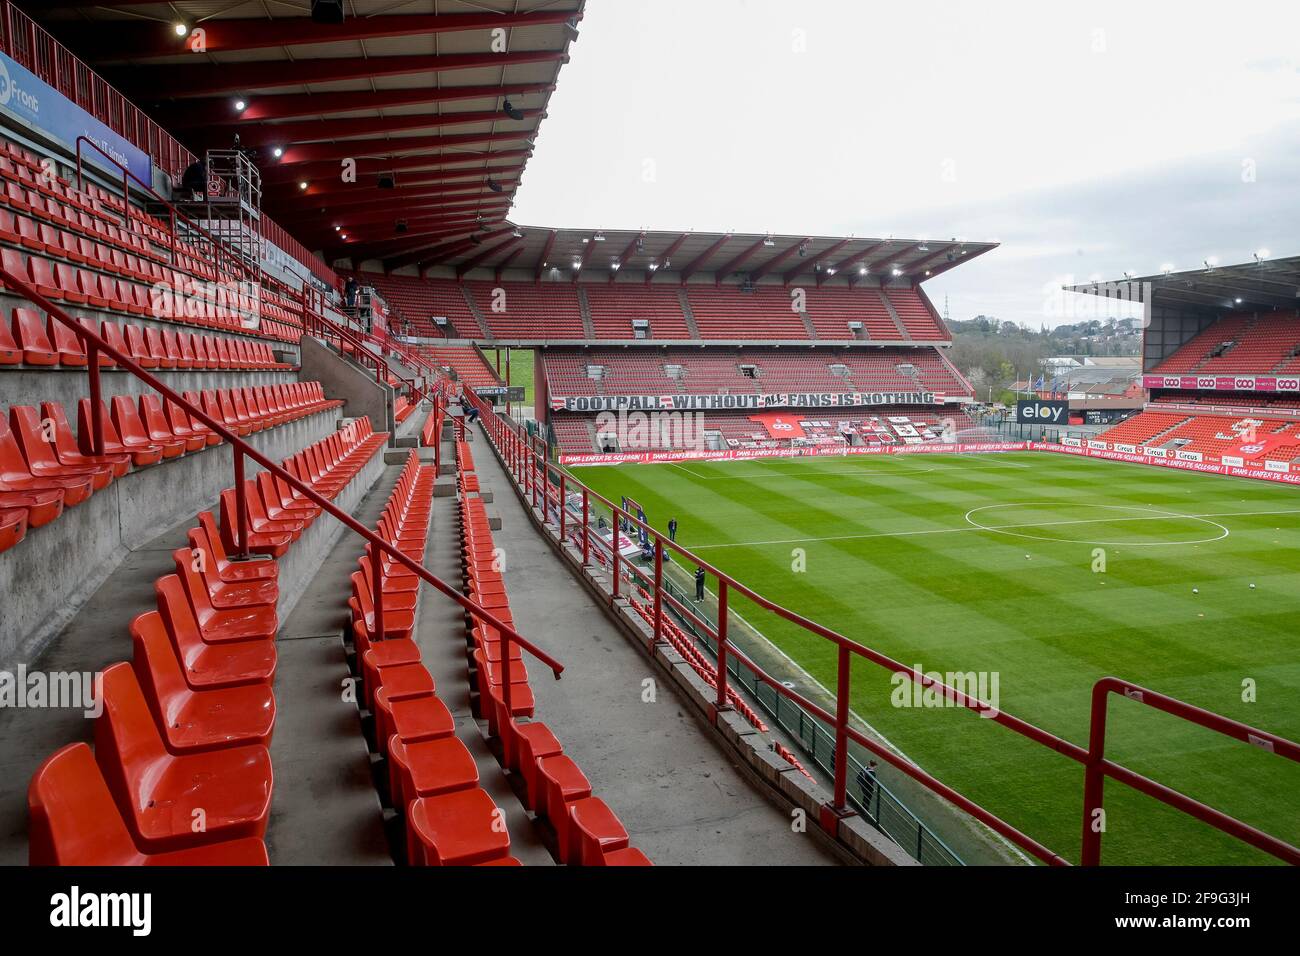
994 563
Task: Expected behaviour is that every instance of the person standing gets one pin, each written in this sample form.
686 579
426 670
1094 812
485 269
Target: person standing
867 784
672 529
699 585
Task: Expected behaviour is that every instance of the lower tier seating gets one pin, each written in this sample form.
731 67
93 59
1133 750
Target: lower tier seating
586 831
180 773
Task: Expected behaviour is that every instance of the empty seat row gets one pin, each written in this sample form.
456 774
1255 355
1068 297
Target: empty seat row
30 340
276 514
181 772
586 830
446 818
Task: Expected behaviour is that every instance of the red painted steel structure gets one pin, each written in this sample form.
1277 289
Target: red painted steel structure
94 344
33 47
526 462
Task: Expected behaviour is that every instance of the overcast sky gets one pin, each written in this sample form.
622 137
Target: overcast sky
1086 138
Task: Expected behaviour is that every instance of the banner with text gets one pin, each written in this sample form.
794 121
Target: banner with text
718 403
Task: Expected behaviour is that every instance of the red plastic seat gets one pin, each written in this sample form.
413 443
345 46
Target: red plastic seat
13 527
456 829
74 822
10 352
72 353
31 336
248 570
561 784
65 445
190 720
132 435
16 477
595 831
159 430
140 455
161 795
31 433
253 592
238 622
628 856
411 720
208 666
427 768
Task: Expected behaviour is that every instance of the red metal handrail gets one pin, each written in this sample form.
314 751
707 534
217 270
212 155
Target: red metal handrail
524 462
94 345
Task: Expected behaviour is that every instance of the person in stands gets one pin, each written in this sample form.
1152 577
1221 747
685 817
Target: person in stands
194 181
350 293
699 584
672 529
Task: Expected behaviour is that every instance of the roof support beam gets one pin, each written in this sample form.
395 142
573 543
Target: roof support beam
664 258
626 255
408 211
588 250
808 264
464 268
695 264
917 266
728 268
286 134
315 152
505 175
373 197
219 111
505 263
430 251
143 39
207 79
771 264
450 160
546 255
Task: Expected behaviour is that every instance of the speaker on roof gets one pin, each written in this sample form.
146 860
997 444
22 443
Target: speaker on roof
327 11
400 226
387 181
510 110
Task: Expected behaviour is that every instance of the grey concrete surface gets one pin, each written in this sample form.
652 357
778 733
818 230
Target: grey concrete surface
348 382
681 796
325 810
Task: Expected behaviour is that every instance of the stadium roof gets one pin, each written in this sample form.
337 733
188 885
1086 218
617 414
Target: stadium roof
1262 284
686 254
412 88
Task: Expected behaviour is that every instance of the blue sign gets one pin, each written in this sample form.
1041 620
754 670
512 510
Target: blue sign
35 103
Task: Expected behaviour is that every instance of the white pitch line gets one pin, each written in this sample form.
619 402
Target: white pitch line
1038 524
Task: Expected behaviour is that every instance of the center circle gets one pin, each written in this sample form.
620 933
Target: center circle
1024 529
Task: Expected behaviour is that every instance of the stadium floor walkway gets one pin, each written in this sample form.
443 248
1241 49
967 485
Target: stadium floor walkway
677 792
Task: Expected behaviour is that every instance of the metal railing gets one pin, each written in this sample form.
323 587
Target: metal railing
533 474
95 345
875 801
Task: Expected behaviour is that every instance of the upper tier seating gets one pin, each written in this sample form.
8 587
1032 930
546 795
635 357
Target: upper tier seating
420 300
614 306
642 371
831 309
465 360
921 324
88 248
547 310
1266 343
1190 356
552 310
728 313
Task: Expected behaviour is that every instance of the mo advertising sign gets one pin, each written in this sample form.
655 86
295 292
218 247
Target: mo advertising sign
1038 412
